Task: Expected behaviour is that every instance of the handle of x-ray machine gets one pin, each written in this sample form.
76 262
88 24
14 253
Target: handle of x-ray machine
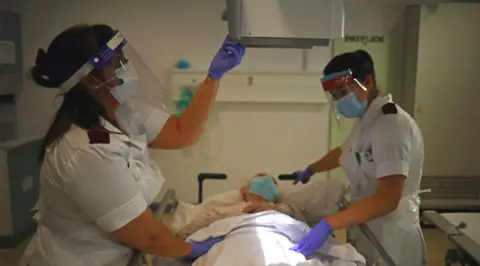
286 177
202 177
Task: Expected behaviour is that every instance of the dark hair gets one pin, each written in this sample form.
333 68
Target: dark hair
359 62
67 53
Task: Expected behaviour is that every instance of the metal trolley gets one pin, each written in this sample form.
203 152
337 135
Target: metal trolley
466 251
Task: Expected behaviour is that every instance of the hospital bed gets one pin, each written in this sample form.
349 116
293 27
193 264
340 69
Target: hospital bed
169 202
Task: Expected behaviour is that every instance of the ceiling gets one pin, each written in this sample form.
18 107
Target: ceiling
15 4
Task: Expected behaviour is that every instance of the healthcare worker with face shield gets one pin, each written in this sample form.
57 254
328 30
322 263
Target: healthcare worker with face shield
383 160
97 180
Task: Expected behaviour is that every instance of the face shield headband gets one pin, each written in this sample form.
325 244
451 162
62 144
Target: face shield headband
98 61
336 80
342 88
127 76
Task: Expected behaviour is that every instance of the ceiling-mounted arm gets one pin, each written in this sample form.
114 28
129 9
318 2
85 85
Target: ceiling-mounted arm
276 23
224 15
233 15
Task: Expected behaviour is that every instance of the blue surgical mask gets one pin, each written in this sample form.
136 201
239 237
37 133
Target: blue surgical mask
350 107
264 187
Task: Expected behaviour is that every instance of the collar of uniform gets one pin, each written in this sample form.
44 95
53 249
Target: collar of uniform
120 135
374 110
117 132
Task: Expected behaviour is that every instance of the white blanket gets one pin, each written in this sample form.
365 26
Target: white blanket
264 239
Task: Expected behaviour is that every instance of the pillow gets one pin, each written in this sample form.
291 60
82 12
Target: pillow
210 214
186 213
224 197
316 199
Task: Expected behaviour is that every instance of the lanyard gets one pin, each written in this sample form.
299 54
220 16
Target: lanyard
358 158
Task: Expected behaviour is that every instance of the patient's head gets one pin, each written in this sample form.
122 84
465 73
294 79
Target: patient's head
261 188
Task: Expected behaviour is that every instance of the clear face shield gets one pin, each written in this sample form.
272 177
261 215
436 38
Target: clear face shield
118 67
343 93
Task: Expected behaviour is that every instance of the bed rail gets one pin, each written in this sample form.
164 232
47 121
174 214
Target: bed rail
204 176
371 237
286 177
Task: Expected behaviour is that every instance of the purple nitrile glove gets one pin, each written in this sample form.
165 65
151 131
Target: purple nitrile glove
201 248
228 57
314 239
303 176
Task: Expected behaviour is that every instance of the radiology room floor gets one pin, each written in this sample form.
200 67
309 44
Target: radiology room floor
437 244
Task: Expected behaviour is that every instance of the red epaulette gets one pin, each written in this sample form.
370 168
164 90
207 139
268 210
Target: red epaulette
98 136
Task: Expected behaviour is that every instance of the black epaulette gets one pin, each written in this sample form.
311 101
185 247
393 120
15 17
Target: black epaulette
389 108
98 136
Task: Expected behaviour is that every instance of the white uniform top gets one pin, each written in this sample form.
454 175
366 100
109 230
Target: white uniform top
387 141
93 183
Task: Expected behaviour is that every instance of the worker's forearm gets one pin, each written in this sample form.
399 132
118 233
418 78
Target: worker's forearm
368 209
193 119
328 162
168 245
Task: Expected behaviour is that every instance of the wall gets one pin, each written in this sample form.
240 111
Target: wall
11 5
447 92
164 32
407 35
436 51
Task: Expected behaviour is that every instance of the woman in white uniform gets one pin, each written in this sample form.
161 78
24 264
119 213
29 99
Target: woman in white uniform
383 160
96 178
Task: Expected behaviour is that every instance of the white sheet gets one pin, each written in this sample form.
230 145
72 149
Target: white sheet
264 239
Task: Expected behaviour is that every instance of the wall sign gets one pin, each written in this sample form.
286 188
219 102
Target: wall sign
364 39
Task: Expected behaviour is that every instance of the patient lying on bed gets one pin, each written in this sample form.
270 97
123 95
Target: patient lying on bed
256 237
259 194
262 194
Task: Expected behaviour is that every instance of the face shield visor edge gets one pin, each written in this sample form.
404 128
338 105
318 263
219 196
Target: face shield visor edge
125 74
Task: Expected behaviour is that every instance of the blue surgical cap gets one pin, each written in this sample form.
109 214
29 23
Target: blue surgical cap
264 187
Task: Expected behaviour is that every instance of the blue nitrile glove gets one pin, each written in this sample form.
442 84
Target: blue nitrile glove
200 248
229 56
314 239
303 176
